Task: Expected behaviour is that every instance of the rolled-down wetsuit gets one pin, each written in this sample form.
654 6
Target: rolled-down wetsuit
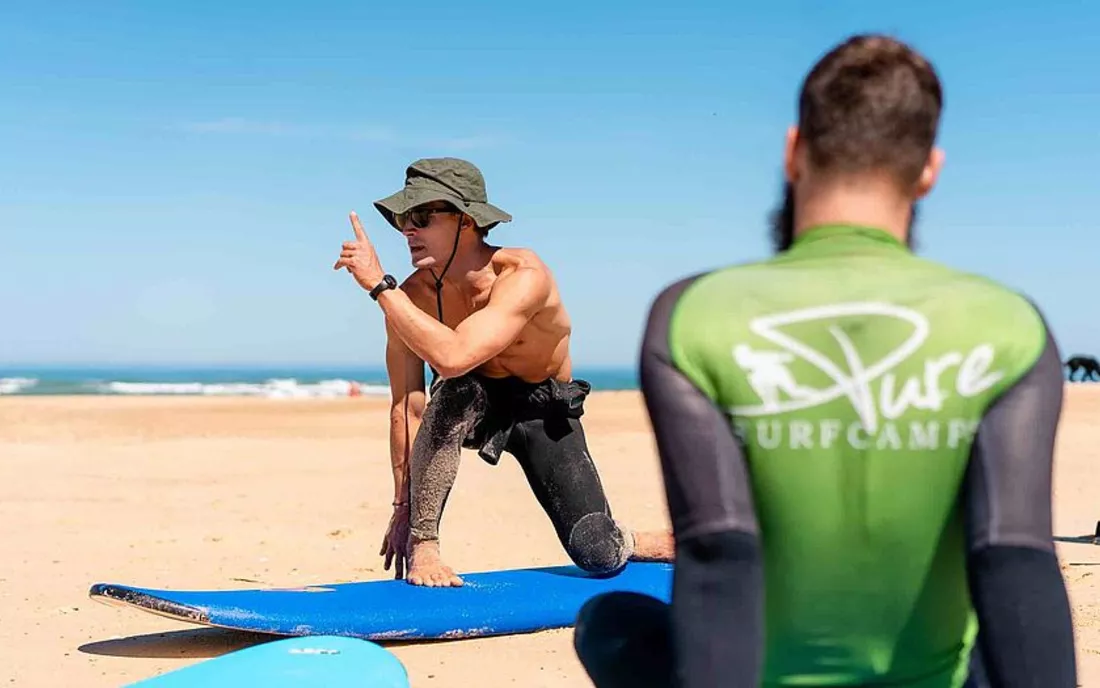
857 448
539 424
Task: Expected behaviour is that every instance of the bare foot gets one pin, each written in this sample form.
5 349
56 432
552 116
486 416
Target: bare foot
426 567
654 546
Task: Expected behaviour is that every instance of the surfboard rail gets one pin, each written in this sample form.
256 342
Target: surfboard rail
123 596
504 602
316 661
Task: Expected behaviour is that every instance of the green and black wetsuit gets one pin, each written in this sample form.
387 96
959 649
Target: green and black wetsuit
857 447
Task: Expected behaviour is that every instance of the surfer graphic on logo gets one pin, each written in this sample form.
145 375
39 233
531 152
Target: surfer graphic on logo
768 375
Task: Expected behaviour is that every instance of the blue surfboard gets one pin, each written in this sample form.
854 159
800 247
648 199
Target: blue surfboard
314 661
489 603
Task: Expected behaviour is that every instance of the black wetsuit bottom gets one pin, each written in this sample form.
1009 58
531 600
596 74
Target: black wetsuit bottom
624 640
539 424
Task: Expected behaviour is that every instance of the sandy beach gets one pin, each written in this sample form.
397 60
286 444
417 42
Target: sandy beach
228 493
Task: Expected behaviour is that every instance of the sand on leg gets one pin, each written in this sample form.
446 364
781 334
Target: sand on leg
453 411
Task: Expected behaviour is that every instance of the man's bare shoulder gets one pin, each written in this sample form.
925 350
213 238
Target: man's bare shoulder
528 278
513 259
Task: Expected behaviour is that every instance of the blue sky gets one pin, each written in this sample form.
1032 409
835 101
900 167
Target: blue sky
176 177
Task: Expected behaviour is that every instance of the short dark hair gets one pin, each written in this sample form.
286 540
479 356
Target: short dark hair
872 104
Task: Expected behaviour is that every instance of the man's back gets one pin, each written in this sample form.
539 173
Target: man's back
856 444
855 376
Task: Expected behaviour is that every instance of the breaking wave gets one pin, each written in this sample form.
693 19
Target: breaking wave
288 388
274 388
16 385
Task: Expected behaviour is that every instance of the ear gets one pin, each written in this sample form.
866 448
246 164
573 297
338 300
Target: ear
790 154
930 173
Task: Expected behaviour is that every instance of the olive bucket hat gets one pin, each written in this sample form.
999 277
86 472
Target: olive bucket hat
455 181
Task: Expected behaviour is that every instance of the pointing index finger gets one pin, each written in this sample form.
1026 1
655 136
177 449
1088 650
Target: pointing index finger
359 233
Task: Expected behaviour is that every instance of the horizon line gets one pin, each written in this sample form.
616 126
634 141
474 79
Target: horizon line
238 364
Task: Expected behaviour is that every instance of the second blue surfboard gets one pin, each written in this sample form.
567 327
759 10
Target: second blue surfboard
335 662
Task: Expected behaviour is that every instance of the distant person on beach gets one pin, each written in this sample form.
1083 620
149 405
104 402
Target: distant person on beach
1087 366
490 323
889 523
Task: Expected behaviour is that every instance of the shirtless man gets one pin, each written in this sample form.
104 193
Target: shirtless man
490 323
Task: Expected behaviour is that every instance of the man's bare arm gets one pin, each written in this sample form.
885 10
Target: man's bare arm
406 373
516 298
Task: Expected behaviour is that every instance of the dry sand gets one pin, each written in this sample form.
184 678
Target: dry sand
229 493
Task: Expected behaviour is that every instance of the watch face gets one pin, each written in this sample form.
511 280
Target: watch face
388 282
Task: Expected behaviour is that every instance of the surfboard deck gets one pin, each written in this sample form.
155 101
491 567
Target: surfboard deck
314 661
489 603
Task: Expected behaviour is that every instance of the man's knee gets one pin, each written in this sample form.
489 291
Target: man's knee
622 639
621 612
598 545
597 622
456 393
597 637
455 407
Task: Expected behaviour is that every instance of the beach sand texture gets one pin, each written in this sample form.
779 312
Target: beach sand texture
228 493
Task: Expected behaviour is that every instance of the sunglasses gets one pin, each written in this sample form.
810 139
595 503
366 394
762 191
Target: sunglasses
420 217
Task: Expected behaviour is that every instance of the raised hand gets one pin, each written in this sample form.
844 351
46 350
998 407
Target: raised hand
359 258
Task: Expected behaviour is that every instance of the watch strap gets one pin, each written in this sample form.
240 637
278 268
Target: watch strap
388 282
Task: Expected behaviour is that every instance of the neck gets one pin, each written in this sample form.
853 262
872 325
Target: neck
469 261
864 202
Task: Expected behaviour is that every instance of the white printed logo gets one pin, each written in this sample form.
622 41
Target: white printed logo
779 391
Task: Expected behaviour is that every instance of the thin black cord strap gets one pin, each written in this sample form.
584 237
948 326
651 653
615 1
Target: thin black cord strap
439 285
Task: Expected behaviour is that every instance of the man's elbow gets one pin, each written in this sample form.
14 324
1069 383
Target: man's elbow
455 365
448 372
470 349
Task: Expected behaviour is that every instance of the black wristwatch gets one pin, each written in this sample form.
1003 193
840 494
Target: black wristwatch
388 282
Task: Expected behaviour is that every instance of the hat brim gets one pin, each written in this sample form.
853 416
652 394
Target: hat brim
485 215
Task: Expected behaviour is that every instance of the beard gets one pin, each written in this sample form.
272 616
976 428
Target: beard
781 223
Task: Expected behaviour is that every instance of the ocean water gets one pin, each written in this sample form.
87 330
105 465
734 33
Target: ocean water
280 382
270 382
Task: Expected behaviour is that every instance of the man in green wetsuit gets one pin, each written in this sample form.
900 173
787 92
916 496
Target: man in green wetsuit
856 442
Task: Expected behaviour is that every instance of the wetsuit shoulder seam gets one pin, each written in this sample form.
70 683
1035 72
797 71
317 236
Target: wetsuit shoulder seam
663 310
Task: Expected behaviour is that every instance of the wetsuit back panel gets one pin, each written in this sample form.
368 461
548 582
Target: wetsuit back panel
855 376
